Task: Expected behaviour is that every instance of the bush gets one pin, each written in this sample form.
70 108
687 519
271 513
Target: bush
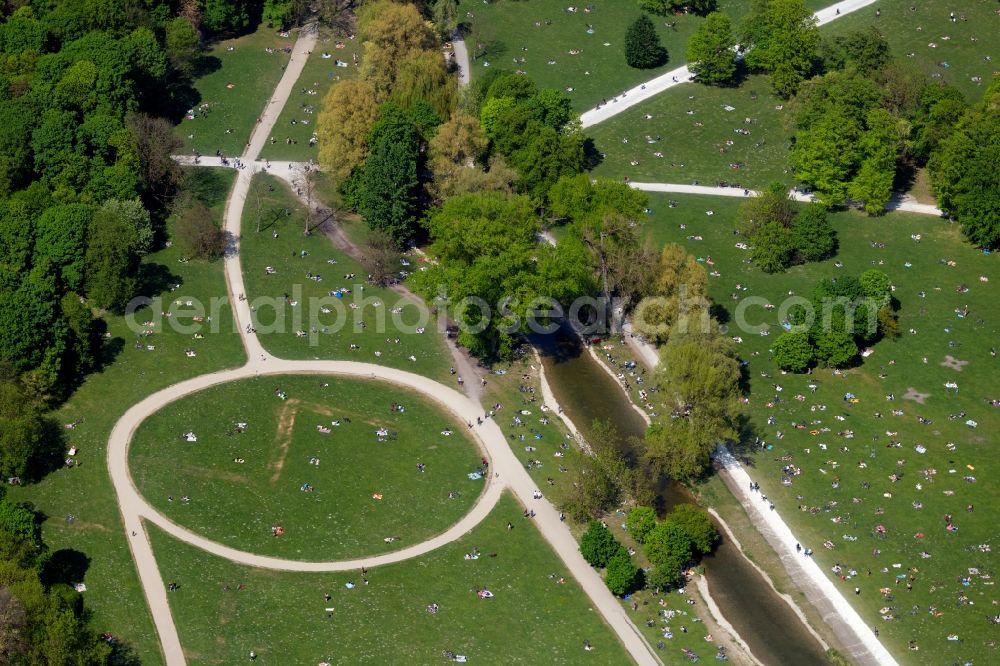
642 45
598 545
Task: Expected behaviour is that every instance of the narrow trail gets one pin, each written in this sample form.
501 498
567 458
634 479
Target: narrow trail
640 93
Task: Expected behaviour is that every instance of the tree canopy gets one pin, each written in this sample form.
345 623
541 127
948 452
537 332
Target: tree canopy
964 172
710 50
487 249
643 49
780 37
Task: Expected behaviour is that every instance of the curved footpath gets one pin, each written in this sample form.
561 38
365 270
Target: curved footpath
507 470
644 91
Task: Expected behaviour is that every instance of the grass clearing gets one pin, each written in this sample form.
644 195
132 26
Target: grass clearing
297 123
922 36
379 323
501 30
846 487
114 595
337 515
688 134
239 77
532 618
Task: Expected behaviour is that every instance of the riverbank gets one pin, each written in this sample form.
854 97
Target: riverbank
714 619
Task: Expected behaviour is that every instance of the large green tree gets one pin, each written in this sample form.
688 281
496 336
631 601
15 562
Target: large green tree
793 351
622 575
489 254
598 545
120 235
668 548
781 38
387 198
964 172
710 51
700 377
698 526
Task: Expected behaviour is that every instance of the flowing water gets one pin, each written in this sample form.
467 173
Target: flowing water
772 631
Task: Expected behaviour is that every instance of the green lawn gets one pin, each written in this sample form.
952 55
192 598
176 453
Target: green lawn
501 30
306 101
385 337
960 51
691 128
282 449
85 491
225 116
532 618
935 457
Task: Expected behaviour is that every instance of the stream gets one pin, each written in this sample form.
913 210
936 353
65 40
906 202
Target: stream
764 621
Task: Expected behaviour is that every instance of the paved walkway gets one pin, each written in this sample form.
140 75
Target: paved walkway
644 91
462 58
508 471
900 202
857 638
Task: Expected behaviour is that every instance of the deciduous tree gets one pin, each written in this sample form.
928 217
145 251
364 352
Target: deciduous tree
794 352
698 526
710 53
349 111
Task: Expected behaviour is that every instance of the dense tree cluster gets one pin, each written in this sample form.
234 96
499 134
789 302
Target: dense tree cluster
86 177
602 550
494 272
779 235
847 142
535 131
685 535
845 314
605 215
